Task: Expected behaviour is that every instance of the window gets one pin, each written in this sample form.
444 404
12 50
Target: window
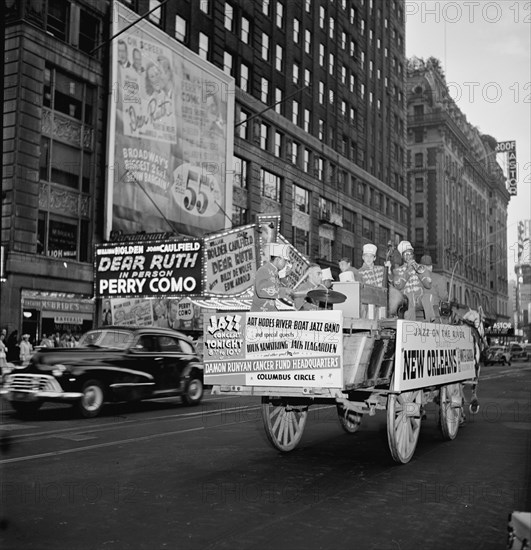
321 54
264 136
88 31
155 16
419 160
240 172
301 240
278 144
244 30
243 127
301 199
326 208
419 236
294 152
419 210
307 157
280 15
295 112
296 30
279 55
244 77
296 72
349 220
229 17
331 28
419 135
227 63
58 18
265 46
264 92
321 92
419 185
239 215
278 101
265 7
180 29
325 248
307 41
204 6
269 185
319 167
60 237
367 229
322 17
203 45
307 120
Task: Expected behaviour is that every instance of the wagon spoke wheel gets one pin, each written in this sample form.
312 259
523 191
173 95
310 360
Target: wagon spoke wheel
350 420
403 424
283 424
450 410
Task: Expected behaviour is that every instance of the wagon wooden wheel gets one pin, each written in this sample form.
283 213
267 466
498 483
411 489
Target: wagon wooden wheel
283 423
350 420
403 424
450 410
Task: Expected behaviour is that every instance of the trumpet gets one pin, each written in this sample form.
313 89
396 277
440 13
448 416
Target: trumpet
419 268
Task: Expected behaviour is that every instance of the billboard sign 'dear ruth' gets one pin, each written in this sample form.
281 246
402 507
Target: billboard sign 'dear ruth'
170 135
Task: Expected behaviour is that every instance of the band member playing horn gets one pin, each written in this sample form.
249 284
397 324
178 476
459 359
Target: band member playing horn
412 278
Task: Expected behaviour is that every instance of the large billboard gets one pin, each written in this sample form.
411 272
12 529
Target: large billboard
171 133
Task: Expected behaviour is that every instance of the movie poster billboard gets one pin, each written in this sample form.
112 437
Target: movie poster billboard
170 135
230 261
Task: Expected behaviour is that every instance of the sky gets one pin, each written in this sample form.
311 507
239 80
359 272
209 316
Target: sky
484 49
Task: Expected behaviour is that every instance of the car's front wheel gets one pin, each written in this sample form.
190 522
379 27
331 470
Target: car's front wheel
92 400
25 409
193 392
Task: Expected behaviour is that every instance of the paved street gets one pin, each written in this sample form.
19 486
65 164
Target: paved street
161 475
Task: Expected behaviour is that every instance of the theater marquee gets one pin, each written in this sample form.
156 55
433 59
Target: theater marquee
148 269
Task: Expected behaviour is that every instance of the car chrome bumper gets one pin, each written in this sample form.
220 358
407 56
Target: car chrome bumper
35 387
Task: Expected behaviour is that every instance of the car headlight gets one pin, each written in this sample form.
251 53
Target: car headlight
58 370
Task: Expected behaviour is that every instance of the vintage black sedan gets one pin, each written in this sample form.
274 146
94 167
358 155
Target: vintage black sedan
109 364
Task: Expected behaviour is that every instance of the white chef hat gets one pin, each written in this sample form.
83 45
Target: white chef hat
370 249
277 249
403 246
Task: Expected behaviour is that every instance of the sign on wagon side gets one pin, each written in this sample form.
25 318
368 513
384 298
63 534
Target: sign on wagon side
430 354
274 349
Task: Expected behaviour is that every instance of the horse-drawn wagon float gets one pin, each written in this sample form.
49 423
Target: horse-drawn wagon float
352 356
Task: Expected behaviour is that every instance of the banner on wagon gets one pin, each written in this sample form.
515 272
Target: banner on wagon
429 354
289 348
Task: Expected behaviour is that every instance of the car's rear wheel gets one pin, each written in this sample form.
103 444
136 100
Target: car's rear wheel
24 409
193 392
92 400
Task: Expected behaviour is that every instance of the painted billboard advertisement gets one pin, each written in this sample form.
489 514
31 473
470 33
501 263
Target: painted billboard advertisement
170 135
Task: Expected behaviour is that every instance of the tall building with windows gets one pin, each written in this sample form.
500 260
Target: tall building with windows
458 194
320 130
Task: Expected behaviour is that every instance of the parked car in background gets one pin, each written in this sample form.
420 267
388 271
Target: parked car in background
110 364
498 354
518 351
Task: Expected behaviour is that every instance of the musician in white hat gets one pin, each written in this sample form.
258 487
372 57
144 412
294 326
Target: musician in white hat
413 279
371 274
267 287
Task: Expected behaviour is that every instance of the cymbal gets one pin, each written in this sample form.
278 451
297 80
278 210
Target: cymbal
328 296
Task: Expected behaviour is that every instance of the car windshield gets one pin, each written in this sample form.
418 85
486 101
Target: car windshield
107 338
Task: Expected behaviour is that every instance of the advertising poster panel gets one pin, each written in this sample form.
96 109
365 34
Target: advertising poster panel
429 354
153 269
295 349
170 135
230 261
